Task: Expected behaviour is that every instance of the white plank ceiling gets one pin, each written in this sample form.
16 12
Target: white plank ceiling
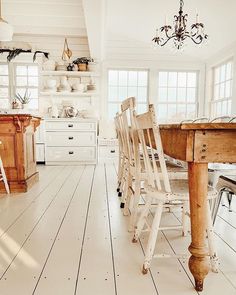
46 17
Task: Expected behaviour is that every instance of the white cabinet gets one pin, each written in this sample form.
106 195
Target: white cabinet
108 150
71 141
40 142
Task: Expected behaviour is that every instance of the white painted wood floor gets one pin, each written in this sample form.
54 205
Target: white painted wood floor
68 236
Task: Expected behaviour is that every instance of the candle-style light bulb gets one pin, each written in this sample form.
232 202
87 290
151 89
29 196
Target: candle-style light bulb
197 18
165 20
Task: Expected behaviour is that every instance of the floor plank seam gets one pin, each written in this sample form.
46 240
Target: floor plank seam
181 264
228 280
29 205
140 243
83 239
110 232
227 221
61 223
219 236
55 196
227 245
150 271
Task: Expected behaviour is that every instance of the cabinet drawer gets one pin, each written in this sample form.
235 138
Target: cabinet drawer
109 152
70 125
70 138
70 154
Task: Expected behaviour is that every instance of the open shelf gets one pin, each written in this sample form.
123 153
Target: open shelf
67 94
70 73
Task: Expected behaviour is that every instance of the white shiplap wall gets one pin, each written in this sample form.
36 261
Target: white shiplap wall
55 44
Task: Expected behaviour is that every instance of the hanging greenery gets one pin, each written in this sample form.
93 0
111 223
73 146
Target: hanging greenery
12 53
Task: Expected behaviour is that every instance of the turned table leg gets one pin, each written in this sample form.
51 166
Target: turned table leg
198 262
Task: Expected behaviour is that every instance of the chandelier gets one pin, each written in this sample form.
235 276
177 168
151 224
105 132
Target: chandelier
179 33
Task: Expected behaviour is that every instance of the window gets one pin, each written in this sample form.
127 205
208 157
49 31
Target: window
4 86
17 78
222 92
127 83
177 95
26 77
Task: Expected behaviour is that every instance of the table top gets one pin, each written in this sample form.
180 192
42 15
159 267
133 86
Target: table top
200 126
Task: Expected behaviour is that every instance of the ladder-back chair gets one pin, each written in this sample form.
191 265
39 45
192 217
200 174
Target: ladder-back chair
163 190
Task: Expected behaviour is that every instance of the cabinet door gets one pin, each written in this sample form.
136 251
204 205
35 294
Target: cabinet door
39 134
29 151
40 153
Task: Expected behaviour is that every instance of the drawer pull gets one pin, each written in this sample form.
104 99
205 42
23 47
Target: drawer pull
71 137
71 153
113 151
70 125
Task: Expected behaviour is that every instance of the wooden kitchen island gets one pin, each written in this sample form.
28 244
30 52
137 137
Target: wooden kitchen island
17 150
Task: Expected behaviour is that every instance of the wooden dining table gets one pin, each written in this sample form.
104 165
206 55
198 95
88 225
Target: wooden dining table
199 144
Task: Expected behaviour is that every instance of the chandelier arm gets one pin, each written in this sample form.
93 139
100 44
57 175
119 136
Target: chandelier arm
167 35
196 41
168 40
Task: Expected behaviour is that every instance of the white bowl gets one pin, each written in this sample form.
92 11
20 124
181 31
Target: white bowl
50 83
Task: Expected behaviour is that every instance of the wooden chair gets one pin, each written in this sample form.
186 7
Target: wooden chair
197 120
232 120
3 175
160 188
134 172
222 119
226 185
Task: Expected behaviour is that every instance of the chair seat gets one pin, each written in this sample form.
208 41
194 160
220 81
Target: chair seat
227 182
180 191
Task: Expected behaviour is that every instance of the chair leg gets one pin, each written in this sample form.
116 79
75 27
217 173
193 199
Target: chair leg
215 206
128 195
4 178
185 219
211 242
152 238
122 178
142 219
136 199
120 173
230 196
125 190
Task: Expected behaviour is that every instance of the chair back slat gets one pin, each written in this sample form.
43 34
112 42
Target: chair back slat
154 162
128 103
131 137
119 133
149 136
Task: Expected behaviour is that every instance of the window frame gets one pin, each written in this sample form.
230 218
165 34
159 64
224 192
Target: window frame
213 101
12 86
196 103
27 64
130 69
